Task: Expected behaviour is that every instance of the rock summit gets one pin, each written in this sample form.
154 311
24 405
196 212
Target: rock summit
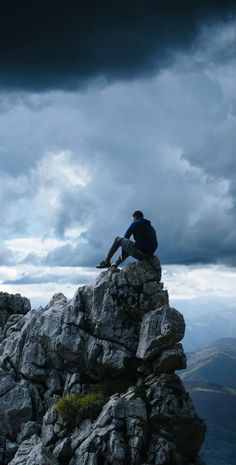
92 380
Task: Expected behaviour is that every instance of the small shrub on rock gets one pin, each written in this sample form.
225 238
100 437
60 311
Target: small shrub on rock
77 407
80 406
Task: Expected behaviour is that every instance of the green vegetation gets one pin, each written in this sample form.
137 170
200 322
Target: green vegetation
80 406
76 407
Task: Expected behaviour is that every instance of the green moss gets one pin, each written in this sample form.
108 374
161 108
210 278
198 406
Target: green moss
83 406
77 407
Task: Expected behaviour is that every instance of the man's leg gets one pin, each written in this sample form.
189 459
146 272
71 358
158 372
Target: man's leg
130 248
121 258
115 246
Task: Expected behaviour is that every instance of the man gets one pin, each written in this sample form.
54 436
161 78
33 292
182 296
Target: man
143 248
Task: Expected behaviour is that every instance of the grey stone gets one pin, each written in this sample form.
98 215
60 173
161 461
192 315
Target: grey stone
14 323
48 434
2 335
72 384
52 427
53 381
10 449
50 417
28 429
37 402
80 434
12 304
32 362
58 298
116 449
170 360
160 329
115 408
160 451
6 382
89 458
33 452
169 401
63 451
15 408
96 440
151 287
135 408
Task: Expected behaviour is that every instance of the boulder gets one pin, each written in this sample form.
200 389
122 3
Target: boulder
12 304
33 452
160 329
15 405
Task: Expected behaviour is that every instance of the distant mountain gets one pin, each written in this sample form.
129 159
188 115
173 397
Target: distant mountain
215 363
211 381
206 321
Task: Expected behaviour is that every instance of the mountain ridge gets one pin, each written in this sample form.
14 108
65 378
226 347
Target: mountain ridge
210 380
214 363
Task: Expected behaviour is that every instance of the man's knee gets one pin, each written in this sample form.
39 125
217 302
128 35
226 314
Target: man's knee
118 239
128 246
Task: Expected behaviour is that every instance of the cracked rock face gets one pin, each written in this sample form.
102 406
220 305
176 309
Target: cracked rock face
120 325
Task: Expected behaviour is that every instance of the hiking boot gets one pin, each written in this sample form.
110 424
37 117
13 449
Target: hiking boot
104 264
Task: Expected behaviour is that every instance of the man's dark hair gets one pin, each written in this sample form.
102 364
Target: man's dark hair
137 214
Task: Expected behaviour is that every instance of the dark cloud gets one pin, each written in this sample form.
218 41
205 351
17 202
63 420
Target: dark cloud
69 255
165 145
61 44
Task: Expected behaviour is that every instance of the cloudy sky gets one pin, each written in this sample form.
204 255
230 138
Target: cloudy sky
107 107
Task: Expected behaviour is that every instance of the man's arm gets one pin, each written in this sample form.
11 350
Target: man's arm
130 230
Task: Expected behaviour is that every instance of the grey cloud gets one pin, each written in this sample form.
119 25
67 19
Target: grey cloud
49 278
164 145
68 256
6 257
59 45
80 255
32 259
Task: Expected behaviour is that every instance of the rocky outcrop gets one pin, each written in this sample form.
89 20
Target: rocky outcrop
119 330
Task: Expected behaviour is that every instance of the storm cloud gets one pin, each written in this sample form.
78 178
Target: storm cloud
157 145
61 45
76 162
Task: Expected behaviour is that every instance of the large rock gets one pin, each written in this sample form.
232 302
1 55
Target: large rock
33 452
96 331
160 329
131 428
114 307
15 405
175 417
12 304
121 328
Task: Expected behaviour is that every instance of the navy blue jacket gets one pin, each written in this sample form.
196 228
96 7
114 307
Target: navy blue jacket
144 235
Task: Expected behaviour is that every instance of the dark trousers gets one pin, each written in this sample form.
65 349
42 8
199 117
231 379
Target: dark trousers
128 249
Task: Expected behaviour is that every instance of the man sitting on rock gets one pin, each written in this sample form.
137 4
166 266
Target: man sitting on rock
143 248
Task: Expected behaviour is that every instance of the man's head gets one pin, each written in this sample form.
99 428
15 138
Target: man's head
137 215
